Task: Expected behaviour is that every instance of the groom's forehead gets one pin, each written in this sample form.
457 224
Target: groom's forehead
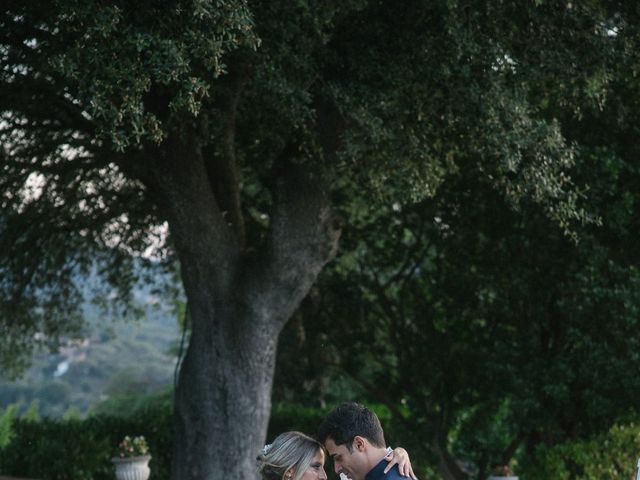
339 453
332 448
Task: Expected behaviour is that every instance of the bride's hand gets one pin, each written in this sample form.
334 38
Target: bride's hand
401 457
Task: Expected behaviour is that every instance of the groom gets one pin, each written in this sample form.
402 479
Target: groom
353 437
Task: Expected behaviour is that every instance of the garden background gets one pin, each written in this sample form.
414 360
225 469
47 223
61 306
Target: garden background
429 207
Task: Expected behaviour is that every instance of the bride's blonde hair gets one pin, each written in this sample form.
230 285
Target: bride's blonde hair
290 450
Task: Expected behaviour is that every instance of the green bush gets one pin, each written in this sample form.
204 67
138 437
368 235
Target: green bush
6 424
611 456
82 449
55 450
286 417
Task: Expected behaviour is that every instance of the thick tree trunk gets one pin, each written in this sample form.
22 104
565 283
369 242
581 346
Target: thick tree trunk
223 400
237 304
447 465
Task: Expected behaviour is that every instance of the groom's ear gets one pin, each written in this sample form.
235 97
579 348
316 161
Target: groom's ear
359 443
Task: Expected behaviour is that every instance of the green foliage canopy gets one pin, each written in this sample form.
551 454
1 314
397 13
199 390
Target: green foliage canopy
89 89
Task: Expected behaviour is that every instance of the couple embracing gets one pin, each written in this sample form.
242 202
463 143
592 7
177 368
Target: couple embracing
351 435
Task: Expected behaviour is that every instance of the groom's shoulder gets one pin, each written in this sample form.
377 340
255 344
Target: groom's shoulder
378 473
394 474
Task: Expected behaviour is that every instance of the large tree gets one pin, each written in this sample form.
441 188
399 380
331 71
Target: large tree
234 124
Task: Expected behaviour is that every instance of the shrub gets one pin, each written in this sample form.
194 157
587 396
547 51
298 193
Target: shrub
285 417
611 456
82 449
55 450
6 424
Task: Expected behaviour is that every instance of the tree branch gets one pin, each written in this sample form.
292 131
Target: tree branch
176 180
302 238
223 168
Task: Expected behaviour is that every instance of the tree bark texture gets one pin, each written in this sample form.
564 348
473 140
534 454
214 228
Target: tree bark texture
237 304
447 465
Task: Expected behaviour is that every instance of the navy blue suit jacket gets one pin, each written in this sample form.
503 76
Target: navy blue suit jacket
377 473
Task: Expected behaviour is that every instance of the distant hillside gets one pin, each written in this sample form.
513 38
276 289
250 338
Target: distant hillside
113 358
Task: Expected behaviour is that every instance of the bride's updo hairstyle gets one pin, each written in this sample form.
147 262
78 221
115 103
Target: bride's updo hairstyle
288 457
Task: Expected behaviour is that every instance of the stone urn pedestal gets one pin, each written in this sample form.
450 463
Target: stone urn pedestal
132 468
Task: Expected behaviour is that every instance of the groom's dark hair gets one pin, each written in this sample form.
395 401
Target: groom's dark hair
349 420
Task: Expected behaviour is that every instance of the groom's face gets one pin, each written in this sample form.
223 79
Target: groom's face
349 463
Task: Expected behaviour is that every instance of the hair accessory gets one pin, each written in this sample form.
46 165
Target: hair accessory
266 448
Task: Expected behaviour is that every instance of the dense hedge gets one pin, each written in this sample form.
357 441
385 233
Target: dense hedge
611 456
76 449
294 417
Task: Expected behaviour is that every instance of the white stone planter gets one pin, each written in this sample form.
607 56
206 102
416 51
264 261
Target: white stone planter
132 468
